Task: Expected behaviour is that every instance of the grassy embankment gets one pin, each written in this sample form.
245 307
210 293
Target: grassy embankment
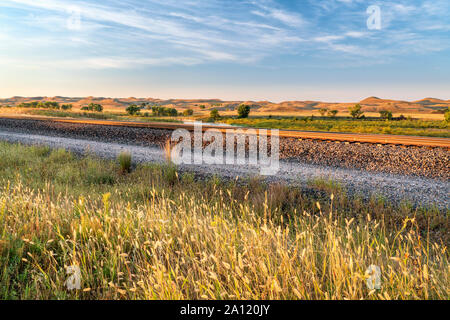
151 233
430 128
415 127
106 115
103 116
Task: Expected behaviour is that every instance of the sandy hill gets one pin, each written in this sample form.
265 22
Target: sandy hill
371 104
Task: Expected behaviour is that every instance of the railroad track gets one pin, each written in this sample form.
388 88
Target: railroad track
307 135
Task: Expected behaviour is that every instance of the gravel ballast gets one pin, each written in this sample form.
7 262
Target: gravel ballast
360 169
416 161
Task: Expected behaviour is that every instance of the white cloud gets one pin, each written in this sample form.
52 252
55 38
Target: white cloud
328 39
205 31
356 34
267 11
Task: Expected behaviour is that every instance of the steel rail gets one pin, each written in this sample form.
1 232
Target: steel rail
383 139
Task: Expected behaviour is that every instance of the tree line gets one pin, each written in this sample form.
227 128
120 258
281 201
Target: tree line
45 105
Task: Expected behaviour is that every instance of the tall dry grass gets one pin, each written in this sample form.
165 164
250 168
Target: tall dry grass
191 249
157 234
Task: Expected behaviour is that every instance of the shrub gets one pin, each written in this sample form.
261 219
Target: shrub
163 111
202 106
447 115
133 109
214 114
66 107
356 112
243 111
51 105
173 112
97 107
323 112
332 113
386 115
125 162
93 107
188 112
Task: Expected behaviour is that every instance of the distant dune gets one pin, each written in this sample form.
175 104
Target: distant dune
371 104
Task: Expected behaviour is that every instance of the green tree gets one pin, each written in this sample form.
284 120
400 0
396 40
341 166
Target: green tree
47 105
356 112
447 115
243 111
66 107
133 110
155 110
93 107
332 113
173 112
323 112
188 112
385 115
164 112
214 114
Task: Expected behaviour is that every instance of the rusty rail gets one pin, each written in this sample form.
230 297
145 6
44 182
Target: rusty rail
313 135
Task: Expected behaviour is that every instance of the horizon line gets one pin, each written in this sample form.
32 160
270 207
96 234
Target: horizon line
217 99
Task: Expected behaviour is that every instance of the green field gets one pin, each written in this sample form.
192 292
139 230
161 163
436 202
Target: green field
152 232
413 127
430 128
99 115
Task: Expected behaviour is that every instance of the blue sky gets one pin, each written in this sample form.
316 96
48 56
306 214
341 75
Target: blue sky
260 50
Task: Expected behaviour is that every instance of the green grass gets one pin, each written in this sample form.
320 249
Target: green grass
70 114
157 233
429 128
99 115
125 162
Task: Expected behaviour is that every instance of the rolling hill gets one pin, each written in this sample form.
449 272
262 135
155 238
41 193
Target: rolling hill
371 104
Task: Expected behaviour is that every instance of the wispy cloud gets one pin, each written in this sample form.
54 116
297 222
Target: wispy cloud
204 36
211 31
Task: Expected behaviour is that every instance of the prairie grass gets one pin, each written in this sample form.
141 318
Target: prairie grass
120 116
124 159
141 236
414 127
431 128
